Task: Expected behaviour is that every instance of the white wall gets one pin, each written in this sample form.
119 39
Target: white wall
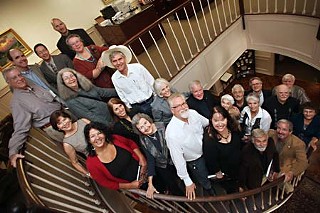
31 19
293 36
215 60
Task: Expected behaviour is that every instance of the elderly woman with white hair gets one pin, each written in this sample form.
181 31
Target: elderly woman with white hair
83 98
160 107
253 117
227 102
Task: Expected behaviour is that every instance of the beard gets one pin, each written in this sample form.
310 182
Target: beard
261 149
184 113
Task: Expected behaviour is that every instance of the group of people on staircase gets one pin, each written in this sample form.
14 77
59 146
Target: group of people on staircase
139 132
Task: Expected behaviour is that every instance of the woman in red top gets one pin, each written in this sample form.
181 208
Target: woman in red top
87 62
114 161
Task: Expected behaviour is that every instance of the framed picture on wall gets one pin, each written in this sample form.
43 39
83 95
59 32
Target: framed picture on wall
8 40
107 1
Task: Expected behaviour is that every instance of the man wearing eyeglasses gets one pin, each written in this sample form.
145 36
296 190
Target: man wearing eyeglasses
184 135
31 105
255 84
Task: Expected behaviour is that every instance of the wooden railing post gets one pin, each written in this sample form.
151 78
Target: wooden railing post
242 13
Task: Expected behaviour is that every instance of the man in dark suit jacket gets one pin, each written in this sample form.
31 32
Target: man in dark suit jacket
201 100
60 27
256 157
255 84
51 64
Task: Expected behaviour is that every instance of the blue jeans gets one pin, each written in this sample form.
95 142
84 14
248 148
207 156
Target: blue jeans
199 172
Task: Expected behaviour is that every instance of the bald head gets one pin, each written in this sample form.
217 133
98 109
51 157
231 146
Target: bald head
59 26
283 93
18 59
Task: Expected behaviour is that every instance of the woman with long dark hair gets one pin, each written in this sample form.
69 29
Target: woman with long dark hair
114 161
221 149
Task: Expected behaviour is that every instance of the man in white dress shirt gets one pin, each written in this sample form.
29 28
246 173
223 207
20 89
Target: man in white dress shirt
133 82
184 136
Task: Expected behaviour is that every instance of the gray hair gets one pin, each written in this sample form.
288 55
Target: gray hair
135 120
237 86
290 125
252 96
254 78
194 82
6 71
174 96
228 98
288 76
72 36
66 92
157 85
257 133
112 54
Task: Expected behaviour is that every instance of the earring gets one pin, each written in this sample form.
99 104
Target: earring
93 148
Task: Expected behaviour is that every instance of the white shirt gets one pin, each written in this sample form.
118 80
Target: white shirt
136 87
265 121
184 141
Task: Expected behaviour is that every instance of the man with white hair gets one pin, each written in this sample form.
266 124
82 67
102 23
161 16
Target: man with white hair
237 92
133 82
295 91
259 161
201 100
184 135
31 105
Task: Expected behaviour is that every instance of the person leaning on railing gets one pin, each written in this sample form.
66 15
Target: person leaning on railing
259 161
115 162
291 149
31 105
73 140
162 175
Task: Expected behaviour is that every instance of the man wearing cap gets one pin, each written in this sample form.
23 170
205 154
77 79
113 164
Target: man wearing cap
133 82
31 105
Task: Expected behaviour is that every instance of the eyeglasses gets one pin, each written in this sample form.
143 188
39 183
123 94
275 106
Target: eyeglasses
180 105
68 77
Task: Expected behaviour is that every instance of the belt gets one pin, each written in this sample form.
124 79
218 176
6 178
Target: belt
45 126
146 101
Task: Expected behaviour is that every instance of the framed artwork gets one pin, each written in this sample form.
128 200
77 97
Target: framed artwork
8 40
107 1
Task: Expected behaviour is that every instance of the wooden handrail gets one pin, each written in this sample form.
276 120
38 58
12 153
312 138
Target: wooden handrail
233 196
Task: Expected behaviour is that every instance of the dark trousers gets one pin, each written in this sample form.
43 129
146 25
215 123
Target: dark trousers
167 179
199 172
144 107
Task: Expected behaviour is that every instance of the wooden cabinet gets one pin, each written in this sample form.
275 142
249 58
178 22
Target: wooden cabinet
122 32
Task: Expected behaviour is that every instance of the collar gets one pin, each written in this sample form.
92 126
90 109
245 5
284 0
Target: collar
25 72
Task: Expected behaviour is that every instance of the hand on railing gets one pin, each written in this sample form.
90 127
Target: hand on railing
151 190
13 159
190 192
288 176
273 176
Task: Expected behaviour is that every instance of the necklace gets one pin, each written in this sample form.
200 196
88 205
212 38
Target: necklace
91 59
154 137
226 137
